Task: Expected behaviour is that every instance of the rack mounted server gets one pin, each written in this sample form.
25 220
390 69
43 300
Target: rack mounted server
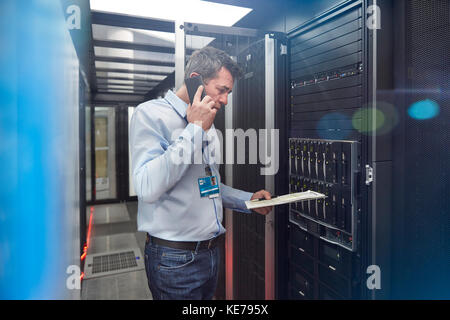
329 167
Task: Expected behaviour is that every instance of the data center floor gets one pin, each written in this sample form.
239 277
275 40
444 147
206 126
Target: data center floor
114 228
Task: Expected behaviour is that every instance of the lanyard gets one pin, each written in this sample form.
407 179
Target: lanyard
203 149
208 171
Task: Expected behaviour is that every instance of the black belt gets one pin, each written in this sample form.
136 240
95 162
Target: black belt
184 245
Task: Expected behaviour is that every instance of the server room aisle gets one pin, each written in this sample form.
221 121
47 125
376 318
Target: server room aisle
114 266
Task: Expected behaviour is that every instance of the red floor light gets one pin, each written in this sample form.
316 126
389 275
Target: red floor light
86 246
90 226
83 256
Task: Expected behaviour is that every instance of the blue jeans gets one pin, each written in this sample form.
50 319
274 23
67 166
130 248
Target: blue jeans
175 274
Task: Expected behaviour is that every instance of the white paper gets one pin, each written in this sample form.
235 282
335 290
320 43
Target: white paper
287 198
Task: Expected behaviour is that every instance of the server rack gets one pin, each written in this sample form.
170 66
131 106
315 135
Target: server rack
421 164
328 86
260 103
340 73
275 89
249 230
330 167
243 276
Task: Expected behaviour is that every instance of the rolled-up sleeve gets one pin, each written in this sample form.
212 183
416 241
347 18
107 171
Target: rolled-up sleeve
158 164
235 199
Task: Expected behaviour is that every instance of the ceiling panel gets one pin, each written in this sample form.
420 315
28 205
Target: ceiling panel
131 76
121 91
148 37
183 10
134 54
122 86
127 49
156 38
137 67
128 82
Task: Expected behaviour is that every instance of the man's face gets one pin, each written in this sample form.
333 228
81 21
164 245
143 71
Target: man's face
219 87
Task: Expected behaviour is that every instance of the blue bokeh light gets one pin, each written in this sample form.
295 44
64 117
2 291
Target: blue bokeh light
334 126
423 110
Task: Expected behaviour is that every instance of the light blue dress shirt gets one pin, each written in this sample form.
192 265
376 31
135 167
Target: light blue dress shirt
169 202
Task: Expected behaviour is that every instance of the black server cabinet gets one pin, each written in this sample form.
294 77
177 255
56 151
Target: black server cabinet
421 165
356 81
251 112
249 230
387 202
242 271
303 101
327 85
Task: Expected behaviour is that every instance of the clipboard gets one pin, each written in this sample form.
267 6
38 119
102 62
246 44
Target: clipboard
287 198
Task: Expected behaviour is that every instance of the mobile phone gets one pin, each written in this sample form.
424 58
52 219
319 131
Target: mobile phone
192 85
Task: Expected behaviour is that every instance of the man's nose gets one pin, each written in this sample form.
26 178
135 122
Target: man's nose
223 100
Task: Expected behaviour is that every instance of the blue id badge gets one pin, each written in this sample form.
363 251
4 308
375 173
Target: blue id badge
208 187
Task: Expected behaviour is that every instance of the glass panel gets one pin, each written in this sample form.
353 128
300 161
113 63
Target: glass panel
88 154
130 169
197 42
105 162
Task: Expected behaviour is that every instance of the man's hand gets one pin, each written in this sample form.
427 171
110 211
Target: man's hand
201 112
262 194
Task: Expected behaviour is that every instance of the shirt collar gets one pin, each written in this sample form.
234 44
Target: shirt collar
179 105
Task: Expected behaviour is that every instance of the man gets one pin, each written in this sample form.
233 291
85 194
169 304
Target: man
182 219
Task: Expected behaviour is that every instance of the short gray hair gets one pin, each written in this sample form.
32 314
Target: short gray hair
208 61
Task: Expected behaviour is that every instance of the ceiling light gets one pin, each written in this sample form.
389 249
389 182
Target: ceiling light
194 11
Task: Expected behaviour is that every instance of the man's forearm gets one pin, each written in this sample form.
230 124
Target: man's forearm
235 199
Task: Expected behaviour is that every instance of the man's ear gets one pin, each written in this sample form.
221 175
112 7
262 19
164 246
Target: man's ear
193 74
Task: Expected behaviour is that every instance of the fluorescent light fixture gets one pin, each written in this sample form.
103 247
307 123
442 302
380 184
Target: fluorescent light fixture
156 38
124 87
121 91
125 82
119 84
194 11
108 81
134 54
136 67
149 77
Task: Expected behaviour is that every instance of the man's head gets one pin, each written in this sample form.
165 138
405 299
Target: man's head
218 71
